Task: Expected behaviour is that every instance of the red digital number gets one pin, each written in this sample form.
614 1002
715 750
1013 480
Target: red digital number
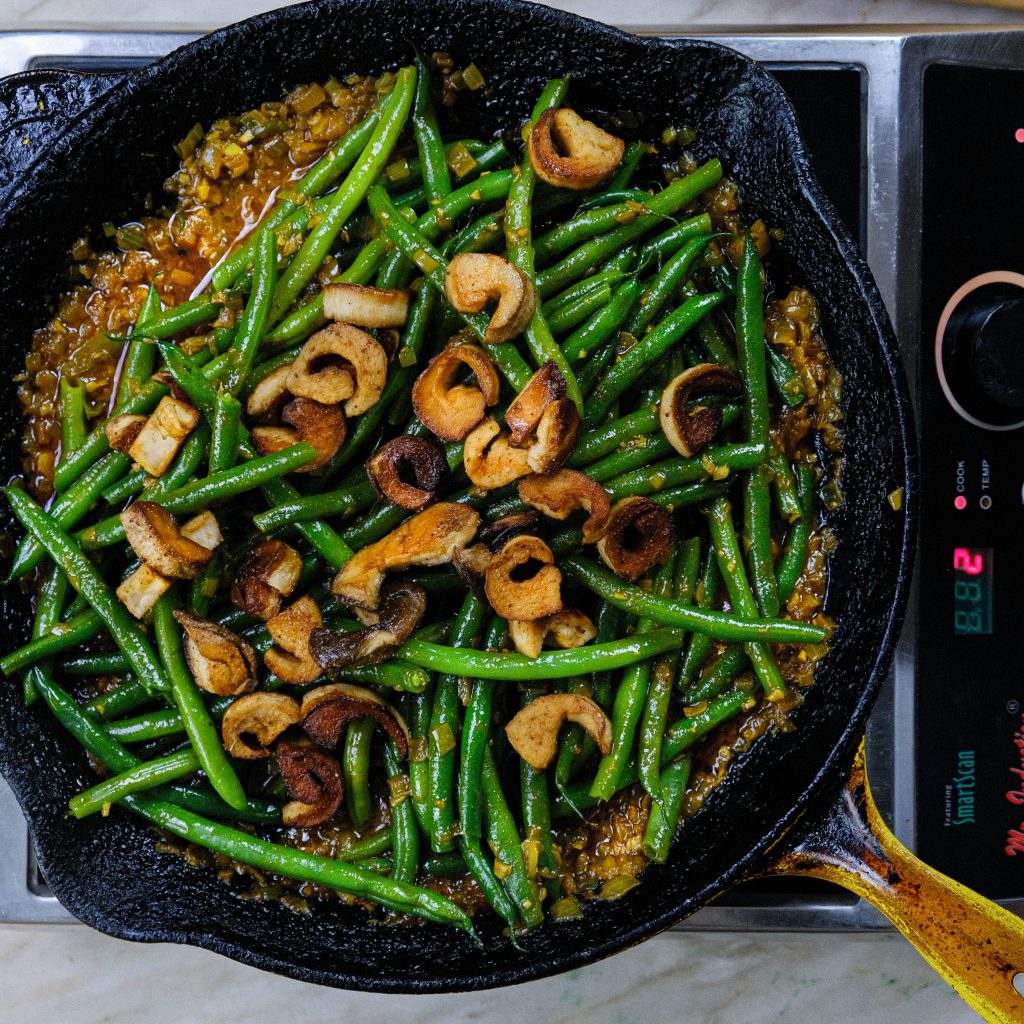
965 561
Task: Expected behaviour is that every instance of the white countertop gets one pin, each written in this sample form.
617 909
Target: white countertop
72 975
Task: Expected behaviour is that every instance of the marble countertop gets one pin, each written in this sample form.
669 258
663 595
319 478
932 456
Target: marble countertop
73 975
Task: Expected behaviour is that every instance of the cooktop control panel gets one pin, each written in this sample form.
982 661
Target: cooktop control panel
970 693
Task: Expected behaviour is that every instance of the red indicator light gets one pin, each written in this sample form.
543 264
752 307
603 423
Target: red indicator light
1019 135
960 502
965 560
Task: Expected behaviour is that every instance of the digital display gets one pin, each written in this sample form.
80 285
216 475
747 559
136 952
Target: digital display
972 591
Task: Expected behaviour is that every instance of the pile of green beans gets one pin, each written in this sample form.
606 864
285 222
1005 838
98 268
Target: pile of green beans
627 298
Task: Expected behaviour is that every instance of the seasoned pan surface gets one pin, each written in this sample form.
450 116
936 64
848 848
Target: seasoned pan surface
101 161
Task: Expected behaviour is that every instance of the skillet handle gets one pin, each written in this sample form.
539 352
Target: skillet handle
35 107
976 945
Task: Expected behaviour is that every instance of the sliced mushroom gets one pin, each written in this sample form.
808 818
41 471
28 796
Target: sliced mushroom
156 538
340 364
290 659
568 151
524 414
475 278
328 709
557 432
423 460
688 430
533 731
270 396
402 605
560 494
163 434
220 662
252 723
567 629
204 530
314 782
140 590
122 431
490 460
364 306
640 534
497 534
322 426
429 538
471 565
517 593
268 574
450 410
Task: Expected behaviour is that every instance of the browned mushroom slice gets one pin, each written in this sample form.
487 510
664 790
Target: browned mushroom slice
490 460
471 565
557 432
640 534
533 731
220 662
473 279
156 538
322 426
204 530
688 430
253 722
402 605
568 151
560 494
268 573
328 709
567 629
429 538
423 460
340 364
313 781
450 410
290 659
364 306
523 581
269 397
122 431
162 435
524 414
497 534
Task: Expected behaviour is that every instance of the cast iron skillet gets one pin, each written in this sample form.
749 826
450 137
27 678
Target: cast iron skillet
91 156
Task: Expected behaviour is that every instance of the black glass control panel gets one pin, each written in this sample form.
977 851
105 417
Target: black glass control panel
970 685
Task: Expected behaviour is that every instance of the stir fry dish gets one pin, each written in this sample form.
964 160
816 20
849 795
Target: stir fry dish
425 522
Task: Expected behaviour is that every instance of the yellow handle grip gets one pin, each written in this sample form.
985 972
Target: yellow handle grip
976 945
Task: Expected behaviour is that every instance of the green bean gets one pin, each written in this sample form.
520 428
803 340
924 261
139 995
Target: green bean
503 835
588 223
717 678
662 678
140 358
128 696
318 178
785 377
405 834
444 865
53 592
134 780
645 353
536 800
182 317
199 494
632 457
328 544
664 816
607 439
96 664
433 161
368 846
668 201
730 564
73 417
349 195
446 736
757 528
700 643
475 738
202 733
256 315
577 291
603 325
150 726
629 702
794 552
787 498
750 344
574 313
415 247
342 503
710 334
635 600
665 284
617 195
677 471
635 152
86 579
355 763
479 867
692 494
203 588
60 636
417 710
685 733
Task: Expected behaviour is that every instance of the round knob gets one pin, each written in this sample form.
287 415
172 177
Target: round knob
980 351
